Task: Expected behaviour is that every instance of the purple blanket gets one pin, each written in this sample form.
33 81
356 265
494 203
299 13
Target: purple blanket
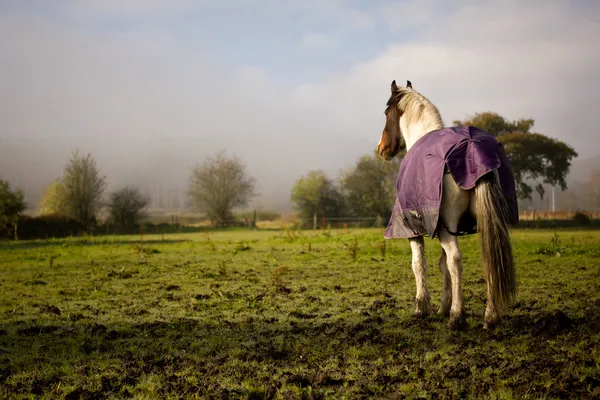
467 153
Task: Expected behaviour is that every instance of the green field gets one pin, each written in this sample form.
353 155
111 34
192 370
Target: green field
288 314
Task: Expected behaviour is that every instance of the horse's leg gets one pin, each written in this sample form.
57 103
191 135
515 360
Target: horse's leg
419 266
447 290
454 261
455 202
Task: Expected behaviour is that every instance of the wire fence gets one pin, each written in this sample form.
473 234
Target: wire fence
42 228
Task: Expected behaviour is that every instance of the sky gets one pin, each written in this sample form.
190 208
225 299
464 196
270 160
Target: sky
152 87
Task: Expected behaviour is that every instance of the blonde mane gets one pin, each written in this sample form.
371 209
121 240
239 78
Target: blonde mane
417 109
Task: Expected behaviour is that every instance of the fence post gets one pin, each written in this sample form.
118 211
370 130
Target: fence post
253 223
315 222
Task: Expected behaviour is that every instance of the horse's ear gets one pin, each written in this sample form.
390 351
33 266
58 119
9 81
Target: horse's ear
408 84
394 86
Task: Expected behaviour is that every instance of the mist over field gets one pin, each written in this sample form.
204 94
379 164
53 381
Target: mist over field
152 88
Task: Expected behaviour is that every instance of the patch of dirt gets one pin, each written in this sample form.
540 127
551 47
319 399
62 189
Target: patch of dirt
301 315
76 317
381 304
82 394
49 309
553 324
91 309
35 282
97 329
329 381
119 274
172 287
284 289
300 380
37 330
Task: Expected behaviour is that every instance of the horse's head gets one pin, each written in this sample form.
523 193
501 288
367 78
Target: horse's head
409 116
392 142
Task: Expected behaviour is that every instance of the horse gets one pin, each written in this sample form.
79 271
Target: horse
454 199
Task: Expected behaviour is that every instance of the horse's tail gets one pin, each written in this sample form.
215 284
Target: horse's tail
491 211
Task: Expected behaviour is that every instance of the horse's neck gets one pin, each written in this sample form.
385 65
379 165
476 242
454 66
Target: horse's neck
416 130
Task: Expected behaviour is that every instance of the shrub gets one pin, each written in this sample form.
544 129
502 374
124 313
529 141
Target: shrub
49 226
582 218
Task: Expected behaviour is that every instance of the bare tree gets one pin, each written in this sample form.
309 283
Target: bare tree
219 185
127 206
83 186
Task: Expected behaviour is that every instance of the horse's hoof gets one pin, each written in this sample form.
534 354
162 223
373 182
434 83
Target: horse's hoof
491 319
457 322
423 308
444 312
491 323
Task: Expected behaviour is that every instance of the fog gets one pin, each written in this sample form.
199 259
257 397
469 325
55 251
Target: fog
152 88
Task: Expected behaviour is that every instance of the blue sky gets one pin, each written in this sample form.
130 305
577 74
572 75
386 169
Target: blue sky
285 41
288 85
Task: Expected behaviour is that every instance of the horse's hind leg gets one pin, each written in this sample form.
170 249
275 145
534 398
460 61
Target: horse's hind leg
455 202
454 262
419 266
447 290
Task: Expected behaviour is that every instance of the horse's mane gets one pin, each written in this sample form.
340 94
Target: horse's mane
415 107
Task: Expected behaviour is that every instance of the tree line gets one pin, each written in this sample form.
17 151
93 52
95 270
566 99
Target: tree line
220 184
77 196
368 189
217 186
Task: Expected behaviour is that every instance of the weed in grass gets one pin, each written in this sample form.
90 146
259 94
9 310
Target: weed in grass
241 246
278 279
272 253
144 250
382 249
352 248
210 243
222 268
309 246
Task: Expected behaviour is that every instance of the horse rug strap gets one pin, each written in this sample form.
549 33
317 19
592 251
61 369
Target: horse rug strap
467 153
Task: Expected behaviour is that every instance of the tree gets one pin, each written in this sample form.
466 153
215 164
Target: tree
83 187
54 199
126 206
535 158
12 204
370 187
316 194
219 185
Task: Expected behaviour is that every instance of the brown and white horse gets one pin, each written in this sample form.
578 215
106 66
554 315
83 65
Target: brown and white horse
410 116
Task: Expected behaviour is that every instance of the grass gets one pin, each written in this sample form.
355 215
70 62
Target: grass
289 315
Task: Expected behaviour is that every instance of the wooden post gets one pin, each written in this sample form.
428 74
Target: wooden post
253 224
315 222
